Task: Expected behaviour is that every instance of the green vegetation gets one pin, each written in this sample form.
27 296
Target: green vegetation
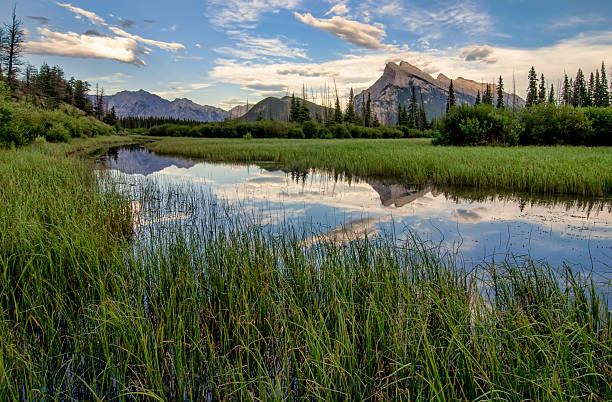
220 308
276 129
562 170
540 124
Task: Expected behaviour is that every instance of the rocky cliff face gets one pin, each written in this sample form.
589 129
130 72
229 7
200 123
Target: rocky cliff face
396 85
144 104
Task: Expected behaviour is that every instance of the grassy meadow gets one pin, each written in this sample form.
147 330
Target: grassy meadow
554 170
217 307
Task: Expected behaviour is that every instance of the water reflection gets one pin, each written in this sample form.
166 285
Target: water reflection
483 225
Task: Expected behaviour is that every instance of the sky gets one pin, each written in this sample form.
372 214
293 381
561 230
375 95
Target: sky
227 52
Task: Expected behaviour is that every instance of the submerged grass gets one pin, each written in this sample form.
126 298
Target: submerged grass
217 306
561 170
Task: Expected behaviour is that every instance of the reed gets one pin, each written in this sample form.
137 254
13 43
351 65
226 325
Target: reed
553 170
203 300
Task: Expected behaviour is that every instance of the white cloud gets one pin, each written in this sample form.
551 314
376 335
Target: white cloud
249 47
569 22
338 9
111 78
245 13
173 47
71 44
357 33
361 70
80 13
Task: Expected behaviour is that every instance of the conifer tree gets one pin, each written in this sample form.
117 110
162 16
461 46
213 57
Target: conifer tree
542 91
350 116
488 96
12 48
580 94
477 99
567 91
376 122
338 117
399 114
532 91
422 114
294 110
605 91
368 113
451 97
413 110
304 112
591 88
551 95
500 93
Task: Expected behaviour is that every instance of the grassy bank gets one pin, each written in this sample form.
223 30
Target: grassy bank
562 170
219 308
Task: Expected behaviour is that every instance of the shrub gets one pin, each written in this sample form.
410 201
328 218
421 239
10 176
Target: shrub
247 136
58 133
310 129
549 125
601 124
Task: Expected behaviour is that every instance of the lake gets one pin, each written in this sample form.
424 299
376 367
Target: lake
475 226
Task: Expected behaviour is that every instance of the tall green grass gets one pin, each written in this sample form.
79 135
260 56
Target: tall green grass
216 306
561 170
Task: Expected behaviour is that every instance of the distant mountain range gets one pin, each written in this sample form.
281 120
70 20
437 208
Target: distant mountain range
145 104
396 84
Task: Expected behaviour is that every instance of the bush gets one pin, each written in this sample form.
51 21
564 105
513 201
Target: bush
310 129
550 125
478 125
601 124
296 133
58 133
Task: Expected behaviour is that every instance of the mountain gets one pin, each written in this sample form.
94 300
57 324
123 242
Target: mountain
396 85
145 104
278 109
239 111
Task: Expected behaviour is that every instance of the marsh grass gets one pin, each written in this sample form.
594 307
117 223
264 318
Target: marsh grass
554 170
219 306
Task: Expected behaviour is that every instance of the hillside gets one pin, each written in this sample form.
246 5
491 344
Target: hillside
278 109
396 85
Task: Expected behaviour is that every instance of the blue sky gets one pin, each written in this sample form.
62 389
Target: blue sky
223 52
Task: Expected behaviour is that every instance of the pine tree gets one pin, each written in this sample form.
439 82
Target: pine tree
580 94
293 115
591 88
376 122
350 116
488 96
567 91
12 49
605 91
413 110
551 95
451 97
500 93
422 114
368 112
532 91
477 99
338 117
542 91
304 112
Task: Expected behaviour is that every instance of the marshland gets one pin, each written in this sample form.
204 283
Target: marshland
301 250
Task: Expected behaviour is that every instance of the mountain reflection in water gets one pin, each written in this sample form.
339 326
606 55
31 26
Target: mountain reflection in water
484 225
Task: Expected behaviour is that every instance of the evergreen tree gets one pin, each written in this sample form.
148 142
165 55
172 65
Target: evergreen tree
532 91
542 91
304 112
376 122
500 93
591 88
81 100
551 95
413 110
580 94
451 97
488 96
605 91
260 116
477 99
368 112
350 116
294 111
422 114
10 52
110 117
338 117
567 91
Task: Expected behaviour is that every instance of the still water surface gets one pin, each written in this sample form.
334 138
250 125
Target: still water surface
479 226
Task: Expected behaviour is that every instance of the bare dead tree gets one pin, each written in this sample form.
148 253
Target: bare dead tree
13 46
